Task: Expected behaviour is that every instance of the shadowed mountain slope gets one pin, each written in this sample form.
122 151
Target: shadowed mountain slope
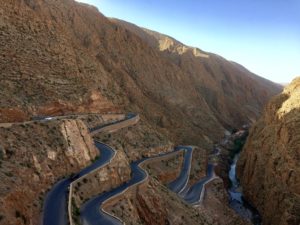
269 167
61 57
225 85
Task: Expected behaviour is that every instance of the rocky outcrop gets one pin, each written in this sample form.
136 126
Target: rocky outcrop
65 57
33 157
165 169
95 102
151 203
81 147
104 179
198 165
138 141
150 206
269 167
216 207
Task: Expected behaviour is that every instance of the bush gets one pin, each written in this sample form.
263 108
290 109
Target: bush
76 211
95 159
18 214
9 174
1 153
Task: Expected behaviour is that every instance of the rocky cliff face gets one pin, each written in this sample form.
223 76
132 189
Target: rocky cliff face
224 85
81 147
62 57
59 57
269 166
33 157
153 203
102 180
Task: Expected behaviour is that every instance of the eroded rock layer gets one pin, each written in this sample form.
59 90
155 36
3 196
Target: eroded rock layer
269 166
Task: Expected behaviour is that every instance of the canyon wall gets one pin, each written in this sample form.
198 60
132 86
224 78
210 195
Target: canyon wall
269 167
64 57
223 84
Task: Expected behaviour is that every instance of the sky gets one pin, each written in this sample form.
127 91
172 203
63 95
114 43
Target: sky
262 35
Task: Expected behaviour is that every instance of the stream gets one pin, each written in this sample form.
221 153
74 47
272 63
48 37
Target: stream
237 200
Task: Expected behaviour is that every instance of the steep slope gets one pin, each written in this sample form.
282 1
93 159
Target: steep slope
224 85
31 164
269 166
63 57
60 57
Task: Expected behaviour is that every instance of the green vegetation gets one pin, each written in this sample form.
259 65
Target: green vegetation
20 215
238 145
1 157
1 153
9 174
41 199
75 213
95 159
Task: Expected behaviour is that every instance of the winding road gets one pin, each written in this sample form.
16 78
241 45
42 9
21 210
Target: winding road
91 212
55 206
180 183
98 128
194 193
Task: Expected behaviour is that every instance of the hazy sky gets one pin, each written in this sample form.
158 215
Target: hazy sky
262 35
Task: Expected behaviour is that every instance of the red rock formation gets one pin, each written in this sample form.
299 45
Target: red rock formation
62 57
33 157
269 165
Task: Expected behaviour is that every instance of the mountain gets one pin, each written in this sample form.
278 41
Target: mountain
63 58
269 167
224 85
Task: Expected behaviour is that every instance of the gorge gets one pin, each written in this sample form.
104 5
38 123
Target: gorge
237 200
97 113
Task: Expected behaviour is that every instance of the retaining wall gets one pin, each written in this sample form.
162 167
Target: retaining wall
119 125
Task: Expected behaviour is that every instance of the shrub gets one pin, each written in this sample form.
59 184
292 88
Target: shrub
1 153
9 174
18 214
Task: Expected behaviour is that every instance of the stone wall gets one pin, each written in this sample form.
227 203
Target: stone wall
114 127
